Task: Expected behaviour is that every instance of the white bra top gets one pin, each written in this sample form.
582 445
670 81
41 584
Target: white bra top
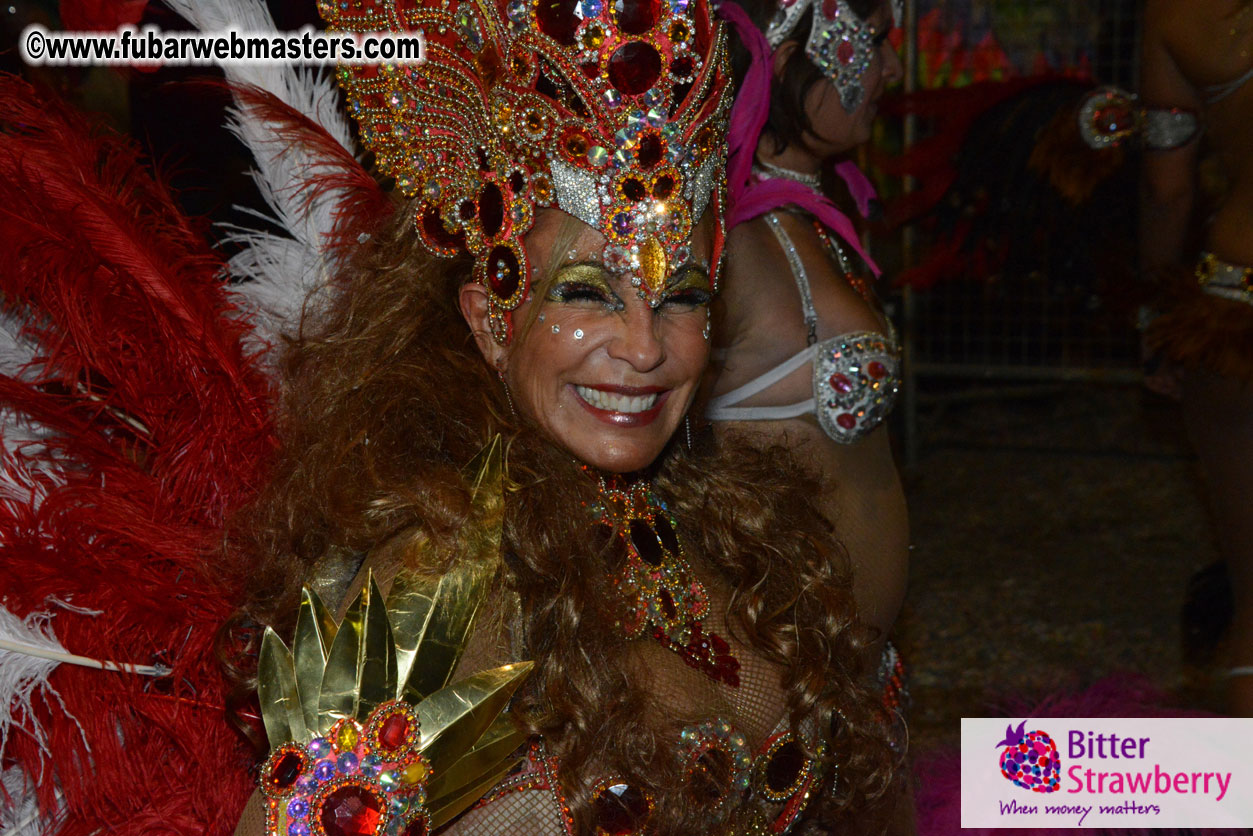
856 376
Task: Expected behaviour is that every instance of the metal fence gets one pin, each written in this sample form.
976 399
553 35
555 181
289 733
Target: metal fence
1060 318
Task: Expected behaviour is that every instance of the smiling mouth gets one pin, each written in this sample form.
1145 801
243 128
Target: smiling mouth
617 402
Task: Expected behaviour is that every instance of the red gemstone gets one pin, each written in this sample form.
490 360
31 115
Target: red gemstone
846 420
504 274
466 210
841 383
491 209
877 370
286 770
417 827
620 810
434 229
351 811
633 189
664 187
650 150
667 604
635 17
784 766
517 182
647 546
557 19
396 727
665 533
634 67
844 52
682 67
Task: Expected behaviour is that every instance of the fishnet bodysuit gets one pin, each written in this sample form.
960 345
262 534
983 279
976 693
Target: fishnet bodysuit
529 805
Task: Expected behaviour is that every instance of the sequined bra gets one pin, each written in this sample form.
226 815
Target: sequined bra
856 376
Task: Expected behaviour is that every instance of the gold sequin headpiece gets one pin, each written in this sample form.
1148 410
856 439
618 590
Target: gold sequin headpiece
613 111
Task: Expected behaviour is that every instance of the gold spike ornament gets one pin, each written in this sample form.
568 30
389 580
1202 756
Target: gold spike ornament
368 736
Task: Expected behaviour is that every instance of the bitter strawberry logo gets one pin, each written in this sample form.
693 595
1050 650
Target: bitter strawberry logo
1030 759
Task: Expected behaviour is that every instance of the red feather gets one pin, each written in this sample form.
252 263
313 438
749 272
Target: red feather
361 204
160 427
100 15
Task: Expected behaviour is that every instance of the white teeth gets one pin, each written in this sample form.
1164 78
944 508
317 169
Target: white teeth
611 402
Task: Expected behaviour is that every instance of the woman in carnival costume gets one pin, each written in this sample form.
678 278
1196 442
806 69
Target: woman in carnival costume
697 660
673 633
804 354
1196 71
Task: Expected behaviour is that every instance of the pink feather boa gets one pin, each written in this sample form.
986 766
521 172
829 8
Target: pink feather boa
751 196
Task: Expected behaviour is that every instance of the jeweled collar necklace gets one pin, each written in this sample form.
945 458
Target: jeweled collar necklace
661 594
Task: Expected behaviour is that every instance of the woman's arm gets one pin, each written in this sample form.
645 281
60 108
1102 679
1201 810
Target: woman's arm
1169 177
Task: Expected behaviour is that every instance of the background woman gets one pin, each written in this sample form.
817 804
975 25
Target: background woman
1197 58
697 658
804 355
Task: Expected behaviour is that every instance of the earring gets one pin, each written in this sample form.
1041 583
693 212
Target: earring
687 429
500 373
705 333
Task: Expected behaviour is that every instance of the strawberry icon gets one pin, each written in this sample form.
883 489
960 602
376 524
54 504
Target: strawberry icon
1030 759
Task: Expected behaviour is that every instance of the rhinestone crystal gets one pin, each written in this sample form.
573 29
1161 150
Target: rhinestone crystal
350 811
635 17
634 67
620 810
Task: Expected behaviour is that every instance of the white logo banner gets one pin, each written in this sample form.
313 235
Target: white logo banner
1110 773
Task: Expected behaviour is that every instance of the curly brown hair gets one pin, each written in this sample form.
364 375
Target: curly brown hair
386 398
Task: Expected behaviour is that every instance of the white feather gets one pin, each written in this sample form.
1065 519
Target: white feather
29 653
19 811
28 467
275 273
23 675
17 351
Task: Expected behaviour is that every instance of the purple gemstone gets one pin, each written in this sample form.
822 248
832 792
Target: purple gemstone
324 771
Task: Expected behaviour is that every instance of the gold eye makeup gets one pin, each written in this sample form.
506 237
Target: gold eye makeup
584 282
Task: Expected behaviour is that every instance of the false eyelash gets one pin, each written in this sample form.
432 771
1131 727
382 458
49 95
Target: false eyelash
693 297
583 293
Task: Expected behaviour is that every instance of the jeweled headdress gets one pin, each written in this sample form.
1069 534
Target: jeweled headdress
840 43
613 111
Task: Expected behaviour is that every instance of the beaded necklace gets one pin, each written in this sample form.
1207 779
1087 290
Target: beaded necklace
663 598
813 181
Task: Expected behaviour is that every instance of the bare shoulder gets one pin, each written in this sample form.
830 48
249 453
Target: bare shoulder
759 294
840 308
1206 42
756 267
